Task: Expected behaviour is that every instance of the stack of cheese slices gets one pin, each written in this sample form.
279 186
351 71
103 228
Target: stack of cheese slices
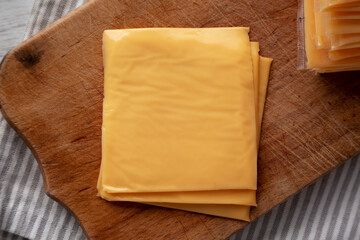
332 35
181 118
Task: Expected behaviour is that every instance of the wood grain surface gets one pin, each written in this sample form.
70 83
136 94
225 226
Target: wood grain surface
51 91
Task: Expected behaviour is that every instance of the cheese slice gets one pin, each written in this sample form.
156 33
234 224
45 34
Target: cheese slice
345 15
318 59
322 40
225 210
344 53
324 36
255 64
337 3
341 40
264 71
353 45
343 26
336 69
169 123
354 8
349 6
242 197
228 210
240 212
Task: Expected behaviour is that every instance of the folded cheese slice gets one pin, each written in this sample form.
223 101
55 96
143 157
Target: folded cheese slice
171 117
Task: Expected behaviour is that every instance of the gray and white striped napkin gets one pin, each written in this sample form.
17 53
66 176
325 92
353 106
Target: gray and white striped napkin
327 209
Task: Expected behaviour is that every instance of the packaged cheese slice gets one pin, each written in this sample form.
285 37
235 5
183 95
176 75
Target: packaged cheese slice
349 6
343 26
344 53
341 40
355 8
344 15
319 59
322 40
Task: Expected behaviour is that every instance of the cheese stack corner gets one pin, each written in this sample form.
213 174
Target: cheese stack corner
182 117
332 35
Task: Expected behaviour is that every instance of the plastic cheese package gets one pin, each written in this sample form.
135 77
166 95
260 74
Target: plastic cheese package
329 35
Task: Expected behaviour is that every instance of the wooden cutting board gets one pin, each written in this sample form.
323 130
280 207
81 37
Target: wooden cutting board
51 91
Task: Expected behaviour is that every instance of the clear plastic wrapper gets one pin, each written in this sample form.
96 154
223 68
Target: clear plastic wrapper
328 40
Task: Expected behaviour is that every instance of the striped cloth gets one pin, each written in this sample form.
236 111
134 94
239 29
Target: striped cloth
25 211
327 209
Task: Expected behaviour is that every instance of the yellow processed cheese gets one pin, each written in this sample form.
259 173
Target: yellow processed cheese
350 8
231 211
344 53
326 22
343 40
318 59
321 40
264 71
244 197
343 26
169 124
348 46
255 67
347 6
226 208
228 211
240 197
345 15
223 210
